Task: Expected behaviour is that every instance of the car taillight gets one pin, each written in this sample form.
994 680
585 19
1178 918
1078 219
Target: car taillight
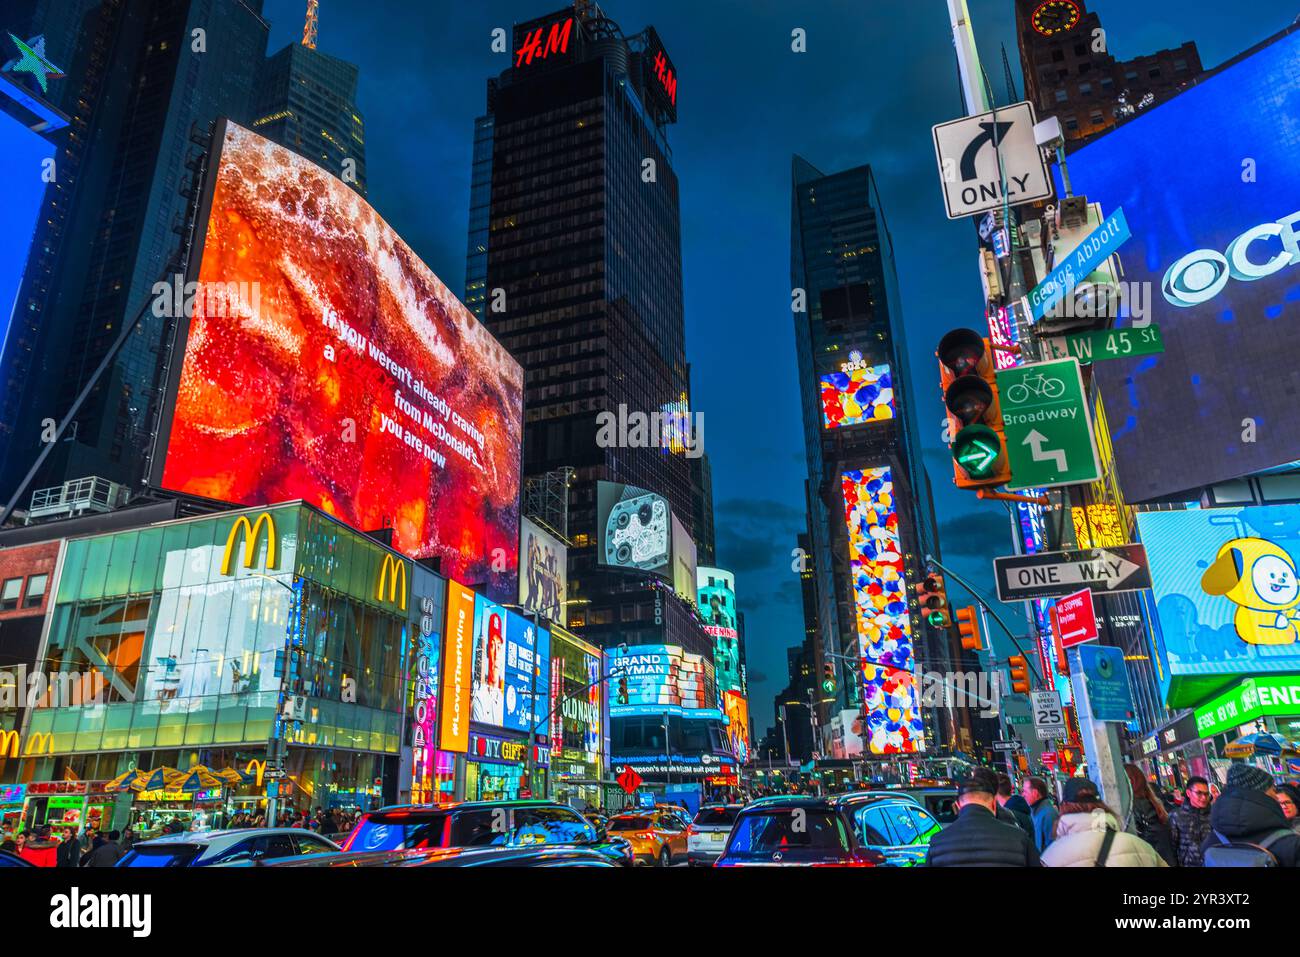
691 831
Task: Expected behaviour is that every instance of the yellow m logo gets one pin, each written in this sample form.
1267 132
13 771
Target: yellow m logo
37 740
389 573
256 766
9 743
250 541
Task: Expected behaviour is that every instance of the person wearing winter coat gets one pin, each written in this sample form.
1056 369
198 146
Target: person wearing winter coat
1150 819
977 838
1041 811
1081 833
1247 813
43 851
69 852
1288 799
1189 825
107 854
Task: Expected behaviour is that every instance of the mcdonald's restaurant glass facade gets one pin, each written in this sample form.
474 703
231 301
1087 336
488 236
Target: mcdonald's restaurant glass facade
202 628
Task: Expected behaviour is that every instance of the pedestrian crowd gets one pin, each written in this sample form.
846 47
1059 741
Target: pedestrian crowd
1253 822
93 847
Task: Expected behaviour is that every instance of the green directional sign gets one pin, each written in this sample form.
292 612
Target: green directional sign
1106 344
1048 429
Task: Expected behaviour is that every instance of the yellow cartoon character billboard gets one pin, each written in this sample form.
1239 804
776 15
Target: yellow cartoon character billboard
1261 580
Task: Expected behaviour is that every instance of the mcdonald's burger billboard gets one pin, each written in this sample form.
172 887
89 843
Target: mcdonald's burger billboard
318 358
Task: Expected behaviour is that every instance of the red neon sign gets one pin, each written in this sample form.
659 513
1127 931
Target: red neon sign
666 76
557 41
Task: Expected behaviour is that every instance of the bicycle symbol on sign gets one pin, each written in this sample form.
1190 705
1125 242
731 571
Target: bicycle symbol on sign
1037 384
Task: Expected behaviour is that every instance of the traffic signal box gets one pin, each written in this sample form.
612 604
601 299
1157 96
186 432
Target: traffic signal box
828 678
970 394
1019 674
932 598
968 626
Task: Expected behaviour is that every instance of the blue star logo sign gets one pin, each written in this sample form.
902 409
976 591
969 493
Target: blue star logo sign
31 59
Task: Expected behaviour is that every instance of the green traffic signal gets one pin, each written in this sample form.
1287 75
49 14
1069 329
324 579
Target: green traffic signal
829 685
977 449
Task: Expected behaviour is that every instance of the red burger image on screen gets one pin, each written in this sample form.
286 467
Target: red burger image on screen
356 381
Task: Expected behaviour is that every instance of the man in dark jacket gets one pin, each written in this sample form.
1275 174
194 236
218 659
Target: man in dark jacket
1247 813
70 849
1189 825
107 854
977 838
1041 811
1008 806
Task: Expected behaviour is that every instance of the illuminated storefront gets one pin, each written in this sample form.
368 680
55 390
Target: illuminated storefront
577 722
213 634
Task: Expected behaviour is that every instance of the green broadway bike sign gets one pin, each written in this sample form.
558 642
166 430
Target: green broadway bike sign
1049 431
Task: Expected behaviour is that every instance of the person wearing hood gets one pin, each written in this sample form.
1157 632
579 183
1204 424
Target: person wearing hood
1247 812
1088 834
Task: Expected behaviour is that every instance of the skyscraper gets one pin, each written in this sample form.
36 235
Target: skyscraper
870 512
147 82
306 100
1070 72
574 263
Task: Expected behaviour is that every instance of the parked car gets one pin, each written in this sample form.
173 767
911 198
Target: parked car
941 802
13 860
897 826
799 830
481 824
681 813
536 855
657 836
708 832
212 848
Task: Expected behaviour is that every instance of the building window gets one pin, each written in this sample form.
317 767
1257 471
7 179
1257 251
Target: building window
1107 83
1085 68
1058 55
13 587
1154 72
1071 123
36 586
1061 96
1096 117
1080 49
1130 74
1085 89
1180 66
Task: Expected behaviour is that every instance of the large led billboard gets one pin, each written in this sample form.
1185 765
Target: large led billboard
543 572
1215 263
659 679
890 698
24 170
1227 595
512 669
717 603
856 394
634 528
324 361
736 708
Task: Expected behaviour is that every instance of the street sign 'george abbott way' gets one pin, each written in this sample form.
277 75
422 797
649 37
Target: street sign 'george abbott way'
1054 574
989 160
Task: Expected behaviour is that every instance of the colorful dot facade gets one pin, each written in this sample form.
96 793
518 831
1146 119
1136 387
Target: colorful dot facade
890 693
860 395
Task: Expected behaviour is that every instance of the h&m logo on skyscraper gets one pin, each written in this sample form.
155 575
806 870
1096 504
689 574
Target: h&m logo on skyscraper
540 43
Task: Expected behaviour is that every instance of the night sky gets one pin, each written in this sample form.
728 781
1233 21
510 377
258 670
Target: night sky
876 76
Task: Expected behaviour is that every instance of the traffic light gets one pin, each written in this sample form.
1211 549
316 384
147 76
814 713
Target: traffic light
622 691
1019 674
968 625
828 678
970 393
932 599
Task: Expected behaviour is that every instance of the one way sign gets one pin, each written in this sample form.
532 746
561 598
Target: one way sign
973 180
1054 574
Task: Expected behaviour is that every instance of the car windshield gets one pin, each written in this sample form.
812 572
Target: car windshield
161 855
379 833
716 817
629 824
794 831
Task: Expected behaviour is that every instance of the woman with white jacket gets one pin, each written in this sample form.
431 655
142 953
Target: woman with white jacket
1088 834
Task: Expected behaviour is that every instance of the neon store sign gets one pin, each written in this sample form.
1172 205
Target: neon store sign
540 43
666 75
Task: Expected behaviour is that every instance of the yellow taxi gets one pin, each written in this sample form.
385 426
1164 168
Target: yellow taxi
657 836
